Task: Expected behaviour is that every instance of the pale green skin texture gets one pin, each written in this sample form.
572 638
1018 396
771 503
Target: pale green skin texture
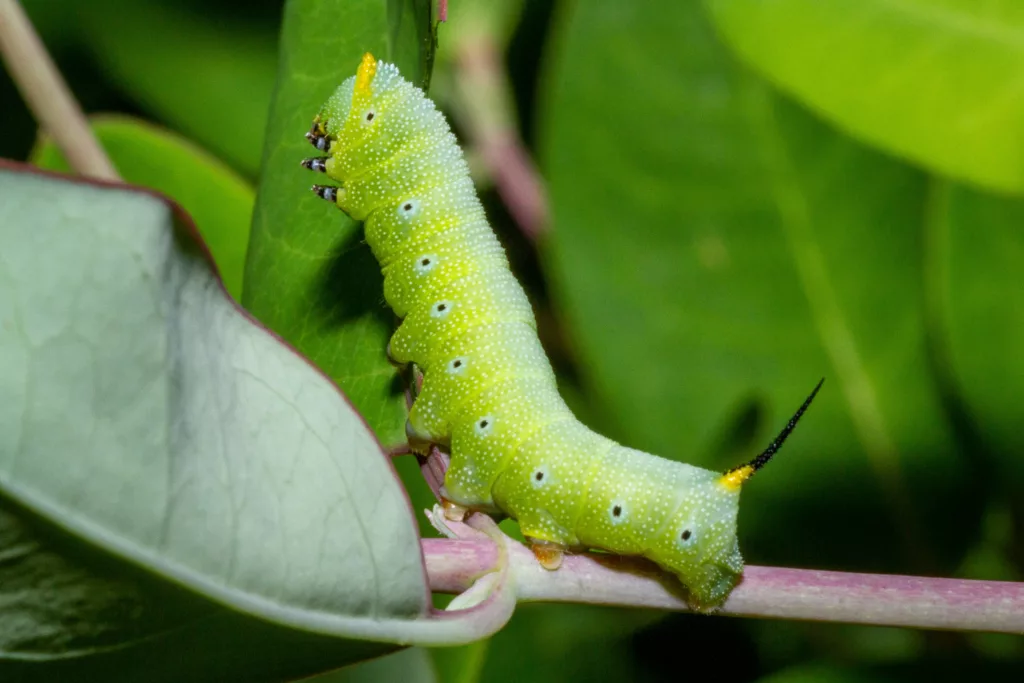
489 392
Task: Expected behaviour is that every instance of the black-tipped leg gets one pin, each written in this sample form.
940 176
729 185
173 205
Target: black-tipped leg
318 137
318 164
328 192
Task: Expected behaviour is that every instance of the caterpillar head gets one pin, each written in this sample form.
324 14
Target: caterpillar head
368 120
353 112
698 543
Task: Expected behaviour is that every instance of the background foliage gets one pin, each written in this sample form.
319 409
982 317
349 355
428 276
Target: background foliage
745 196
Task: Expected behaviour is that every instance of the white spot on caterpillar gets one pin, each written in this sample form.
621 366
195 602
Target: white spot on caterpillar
617 511
540 477
441 309
484 426
456 366
409 209
424 264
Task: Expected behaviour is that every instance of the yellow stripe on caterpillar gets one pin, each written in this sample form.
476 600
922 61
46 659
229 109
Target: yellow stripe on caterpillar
364 75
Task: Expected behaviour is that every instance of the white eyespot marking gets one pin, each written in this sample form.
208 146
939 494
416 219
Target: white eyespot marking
617 512
441 309
456 366
409 209
424 264
484 426
369 116
539 477
686 536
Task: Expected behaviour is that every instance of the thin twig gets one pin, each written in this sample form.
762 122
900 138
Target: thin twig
486 106
48 96
765 592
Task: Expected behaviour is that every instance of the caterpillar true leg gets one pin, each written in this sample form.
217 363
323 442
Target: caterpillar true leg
317 137
318 164
327 192
549 554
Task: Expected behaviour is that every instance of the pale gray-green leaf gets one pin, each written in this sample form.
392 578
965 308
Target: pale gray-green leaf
143 411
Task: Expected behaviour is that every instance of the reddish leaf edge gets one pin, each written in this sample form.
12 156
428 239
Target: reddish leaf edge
435 627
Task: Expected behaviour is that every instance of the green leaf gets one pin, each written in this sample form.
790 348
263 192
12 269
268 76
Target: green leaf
480 21
976 257
936 82
411 665
926 671
716 251
461 664
828 674
142 411
568 643
309 277
218 199
212 82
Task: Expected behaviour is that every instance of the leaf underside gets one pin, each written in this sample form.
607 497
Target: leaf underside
143 412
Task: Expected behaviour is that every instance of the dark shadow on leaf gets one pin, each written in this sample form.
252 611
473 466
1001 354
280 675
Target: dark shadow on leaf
350 288
77 598
91 616
738 440
397 384
350 285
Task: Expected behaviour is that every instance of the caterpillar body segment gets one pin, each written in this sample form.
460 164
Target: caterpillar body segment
483 357
489 392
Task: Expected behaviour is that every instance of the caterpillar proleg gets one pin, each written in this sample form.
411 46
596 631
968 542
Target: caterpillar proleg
489 394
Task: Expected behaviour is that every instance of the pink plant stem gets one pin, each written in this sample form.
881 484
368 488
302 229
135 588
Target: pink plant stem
484 89
765 592
433 468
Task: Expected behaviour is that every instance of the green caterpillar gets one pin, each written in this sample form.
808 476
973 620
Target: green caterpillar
489 393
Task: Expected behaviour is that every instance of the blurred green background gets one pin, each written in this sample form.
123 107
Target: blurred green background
743 197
